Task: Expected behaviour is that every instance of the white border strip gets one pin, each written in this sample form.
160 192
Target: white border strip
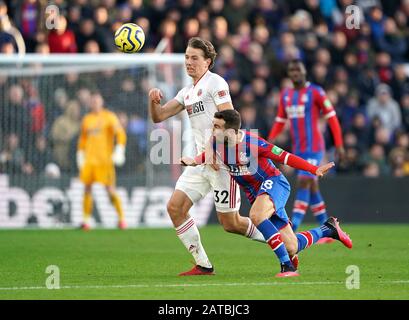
184 285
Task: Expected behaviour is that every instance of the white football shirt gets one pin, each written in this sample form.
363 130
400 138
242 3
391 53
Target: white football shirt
200 102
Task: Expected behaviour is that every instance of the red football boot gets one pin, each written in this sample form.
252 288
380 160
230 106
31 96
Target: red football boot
198 271
338 234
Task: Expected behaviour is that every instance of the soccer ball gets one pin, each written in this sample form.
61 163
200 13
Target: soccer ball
129 38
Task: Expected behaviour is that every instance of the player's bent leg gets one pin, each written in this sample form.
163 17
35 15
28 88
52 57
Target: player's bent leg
233 222
186 229
260 214
290 240
178 207
302 199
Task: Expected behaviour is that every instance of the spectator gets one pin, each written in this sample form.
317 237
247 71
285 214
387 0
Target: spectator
400 82
371 170
29 19
235 12
250 121
9 34
12 157
102 28
404 101
64 129
40 156
391 41
385 108
62 40
15 116
376 155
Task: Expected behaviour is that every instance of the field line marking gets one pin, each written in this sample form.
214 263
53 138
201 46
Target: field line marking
232 284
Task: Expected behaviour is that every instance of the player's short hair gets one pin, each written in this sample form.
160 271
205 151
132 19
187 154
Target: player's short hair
206 46
295 61
231 118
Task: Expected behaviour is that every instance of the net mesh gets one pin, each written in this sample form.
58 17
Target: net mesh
41 106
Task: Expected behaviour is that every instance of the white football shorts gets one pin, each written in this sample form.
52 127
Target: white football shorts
197 182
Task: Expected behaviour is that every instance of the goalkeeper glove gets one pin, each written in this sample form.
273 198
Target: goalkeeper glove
80 159
119 155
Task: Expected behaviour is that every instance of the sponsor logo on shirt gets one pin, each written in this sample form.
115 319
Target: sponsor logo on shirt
242 170
295 111
195 108
327 104
277 150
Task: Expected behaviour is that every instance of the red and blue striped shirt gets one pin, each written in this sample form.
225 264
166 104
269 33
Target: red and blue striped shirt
303 108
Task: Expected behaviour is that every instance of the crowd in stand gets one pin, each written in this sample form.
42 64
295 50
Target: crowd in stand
364 70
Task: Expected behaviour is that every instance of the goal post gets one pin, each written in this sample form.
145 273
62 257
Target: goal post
43 99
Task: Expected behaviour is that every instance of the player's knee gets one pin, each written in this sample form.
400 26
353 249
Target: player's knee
314 186
229 225
255 217
173 208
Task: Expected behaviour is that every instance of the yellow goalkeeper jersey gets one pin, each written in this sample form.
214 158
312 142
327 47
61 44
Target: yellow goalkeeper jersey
99 133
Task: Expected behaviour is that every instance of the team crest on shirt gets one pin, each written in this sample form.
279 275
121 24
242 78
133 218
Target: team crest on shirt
304 98
199 93
243 158
187 97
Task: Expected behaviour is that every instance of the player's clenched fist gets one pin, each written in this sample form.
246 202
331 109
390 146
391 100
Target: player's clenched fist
155 95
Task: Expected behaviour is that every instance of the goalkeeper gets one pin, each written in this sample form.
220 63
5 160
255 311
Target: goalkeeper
97 153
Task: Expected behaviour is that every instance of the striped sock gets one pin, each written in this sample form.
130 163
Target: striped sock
253 233
190 237
318 208
308 238
273 237
302 199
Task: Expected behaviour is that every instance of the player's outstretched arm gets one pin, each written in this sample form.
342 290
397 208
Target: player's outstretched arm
277 154
158 112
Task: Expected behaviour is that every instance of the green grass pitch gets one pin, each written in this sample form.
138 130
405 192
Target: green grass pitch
144 263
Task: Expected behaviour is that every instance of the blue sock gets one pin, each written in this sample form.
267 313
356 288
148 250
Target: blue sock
318 208
273 238
308 238
302 199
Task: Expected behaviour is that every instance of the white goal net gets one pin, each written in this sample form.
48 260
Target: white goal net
43 99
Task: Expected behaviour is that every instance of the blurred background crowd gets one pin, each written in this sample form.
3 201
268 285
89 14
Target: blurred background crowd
363 70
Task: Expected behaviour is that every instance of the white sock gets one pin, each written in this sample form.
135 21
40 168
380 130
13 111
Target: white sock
253 233
189 235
